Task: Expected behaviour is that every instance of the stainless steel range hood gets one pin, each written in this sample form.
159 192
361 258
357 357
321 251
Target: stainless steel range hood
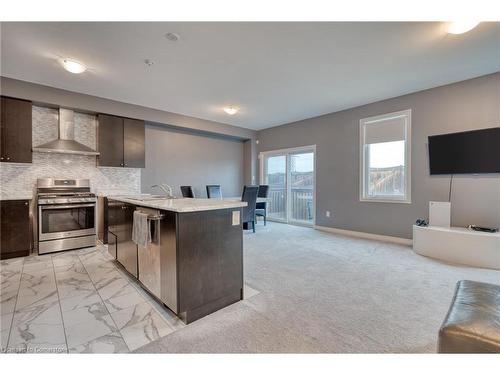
65 143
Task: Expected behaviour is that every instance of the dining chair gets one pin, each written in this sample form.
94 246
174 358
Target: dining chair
250 196
261 207
187 192
214 191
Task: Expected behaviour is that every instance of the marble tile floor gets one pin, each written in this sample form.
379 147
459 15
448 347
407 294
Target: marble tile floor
78 301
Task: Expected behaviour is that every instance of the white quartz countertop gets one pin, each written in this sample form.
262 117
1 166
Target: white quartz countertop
180 204
15 197
109 192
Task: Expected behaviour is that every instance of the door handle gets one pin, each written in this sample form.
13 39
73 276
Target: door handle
55 207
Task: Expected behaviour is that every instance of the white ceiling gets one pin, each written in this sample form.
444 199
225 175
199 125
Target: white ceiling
276 72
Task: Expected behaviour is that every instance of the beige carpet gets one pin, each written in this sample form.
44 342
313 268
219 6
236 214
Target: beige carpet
321 292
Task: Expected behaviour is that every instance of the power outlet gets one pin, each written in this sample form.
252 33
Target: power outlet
327 213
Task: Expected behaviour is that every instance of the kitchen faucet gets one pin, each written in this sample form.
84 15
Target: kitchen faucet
167 189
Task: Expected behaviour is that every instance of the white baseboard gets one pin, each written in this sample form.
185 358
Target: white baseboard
369 236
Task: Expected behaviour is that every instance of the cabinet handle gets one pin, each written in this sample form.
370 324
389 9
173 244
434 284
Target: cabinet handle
25 203
121 164
8 159
1 158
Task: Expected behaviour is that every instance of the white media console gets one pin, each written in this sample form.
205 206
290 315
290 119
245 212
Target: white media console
458 245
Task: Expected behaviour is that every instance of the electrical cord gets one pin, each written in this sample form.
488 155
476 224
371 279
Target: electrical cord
451 184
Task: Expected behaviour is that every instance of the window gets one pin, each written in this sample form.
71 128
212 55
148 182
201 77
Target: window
385 158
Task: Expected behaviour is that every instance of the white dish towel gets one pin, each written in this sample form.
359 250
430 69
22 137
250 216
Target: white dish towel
141 231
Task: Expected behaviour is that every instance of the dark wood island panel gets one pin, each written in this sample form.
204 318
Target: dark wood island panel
210 262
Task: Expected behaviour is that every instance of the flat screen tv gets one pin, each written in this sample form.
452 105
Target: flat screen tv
476 151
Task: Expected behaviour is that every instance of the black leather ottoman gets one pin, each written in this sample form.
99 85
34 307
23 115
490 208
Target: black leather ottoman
472 324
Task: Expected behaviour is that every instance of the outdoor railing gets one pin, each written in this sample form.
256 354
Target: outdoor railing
301 203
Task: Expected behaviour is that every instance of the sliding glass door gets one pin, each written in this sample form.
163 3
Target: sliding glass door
301 188
290 176
275 173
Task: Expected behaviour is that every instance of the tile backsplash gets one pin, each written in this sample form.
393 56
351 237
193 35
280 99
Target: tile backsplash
19 180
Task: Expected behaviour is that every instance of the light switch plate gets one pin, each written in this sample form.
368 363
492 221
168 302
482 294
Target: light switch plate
236 217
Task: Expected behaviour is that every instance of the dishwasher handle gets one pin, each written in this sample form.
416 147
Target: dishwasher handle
154 217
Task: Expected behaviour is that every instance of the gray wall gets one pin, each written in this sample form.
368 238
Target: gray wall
471 104
250 161
179 158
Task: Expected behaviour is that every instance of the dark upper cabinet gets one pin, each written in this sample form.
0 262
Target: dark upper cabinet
110 140
15 229
15 131
134 138
121 142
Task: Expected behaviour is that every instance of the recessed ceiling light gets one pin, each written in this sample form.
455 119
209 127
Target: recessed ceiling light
460 27
231 110
73 66
173 37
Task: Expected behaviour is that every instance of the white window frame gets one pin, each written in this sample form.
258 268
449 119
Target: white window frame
363 170
287 152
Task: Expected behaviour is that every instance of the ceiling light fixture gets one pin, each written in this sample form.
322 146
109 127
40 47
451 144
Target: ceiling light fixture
73 66
460 27
231 110
149 62
173 37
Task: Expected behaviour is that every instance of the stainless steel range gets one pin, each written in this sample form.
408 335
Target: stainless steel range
66 214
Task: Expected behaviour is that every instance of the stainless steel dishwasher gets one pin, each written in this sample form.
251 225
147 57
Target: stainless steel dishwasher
157 261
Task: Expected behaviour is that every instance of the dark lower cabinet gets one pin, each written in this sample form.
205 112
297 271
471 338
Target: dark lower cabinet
15 131
120 222
126 249
112 244
15 228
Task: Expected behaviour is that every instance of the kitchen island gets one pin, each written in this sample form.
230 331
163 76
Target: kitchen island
194 262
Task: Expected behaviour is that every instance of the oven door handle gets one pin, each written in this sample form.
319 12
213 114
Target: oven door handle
54 207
